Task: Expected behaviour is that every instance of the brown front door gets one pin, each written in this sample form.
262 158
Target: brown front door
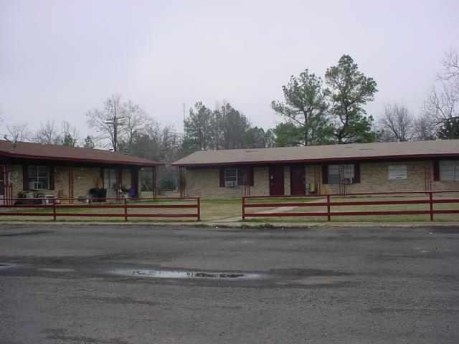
297 184
276 180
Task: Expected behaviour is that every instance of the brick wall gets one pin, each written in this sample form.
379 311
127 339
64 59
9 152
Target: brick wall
126 178
287 180
374 177
206 182
16 179
84 178
313 175
261 182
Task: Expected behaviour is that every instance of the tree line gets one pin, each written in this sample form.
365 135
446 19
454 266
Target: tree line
313 111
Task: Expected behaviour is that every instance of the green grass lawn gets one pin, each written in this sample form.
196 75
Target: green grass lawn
308 208
221 209
230 210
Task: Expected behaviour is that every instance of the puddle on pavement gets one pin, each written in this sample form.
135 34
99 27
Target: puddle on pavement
323 280
56 270
6 266
275 277
182 274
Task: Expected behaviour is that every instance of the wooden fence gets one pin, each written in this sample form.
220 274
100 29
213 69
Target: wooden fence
335 205
124 209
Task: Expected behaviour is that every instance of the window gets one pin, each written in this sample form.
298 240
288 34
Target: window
449 170
110 179
38 177
397 172
231 177
341 174
234 176
3 180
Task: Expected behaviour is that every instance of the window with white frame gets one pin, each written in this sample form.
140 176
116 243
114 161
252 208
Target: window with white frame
449 170
38 177
341 174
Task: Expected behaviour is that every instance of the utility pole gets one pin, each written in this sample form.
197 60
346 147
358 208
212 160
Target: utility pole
116 121
115 107
115 132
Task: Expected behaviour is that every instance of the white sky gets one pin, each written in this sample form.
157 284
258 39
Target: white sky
59 59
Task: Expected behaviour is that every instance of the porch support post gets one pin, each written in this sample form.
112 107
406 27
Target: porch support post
153 181
7 185
71 184
119 182
135 181
182 181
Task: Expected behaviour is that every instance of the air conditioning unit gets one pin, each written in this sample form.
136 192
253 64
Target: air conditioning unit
230 184
35 186
346 181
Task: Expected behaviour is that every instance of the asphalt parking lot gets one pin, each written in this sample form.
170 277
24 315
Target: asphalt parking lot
63 283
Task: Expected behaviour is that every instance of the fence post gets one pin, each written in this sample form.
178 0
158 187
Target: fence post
54 209
199 208
125 210
243 208
328 208
431 206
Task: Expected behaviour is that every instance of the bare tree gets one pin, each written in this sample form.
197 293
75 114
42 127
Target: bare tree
397 124
451 67
424 129
17 132
170 144
442 107
70 135
135 122
118 122
47 134
108 120
155 142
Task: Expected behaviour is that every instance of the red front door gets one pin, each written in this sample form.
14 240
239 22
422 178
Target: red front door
276 180
297 183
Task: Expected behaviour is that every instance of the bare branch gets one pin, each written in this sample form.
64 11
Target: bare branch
47 134
18 132
397 123
442 107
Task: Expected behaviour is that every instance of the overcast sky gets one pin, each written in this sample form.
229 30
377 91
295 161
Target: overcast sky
59 59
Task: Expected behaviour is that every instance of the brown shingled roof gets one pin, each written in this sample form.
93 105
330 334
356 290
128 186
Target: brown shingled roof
38 151
314 154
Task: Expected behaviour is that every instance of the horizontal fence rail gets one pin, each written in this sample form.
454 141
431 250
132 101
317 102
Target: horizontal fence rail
333 205
115 208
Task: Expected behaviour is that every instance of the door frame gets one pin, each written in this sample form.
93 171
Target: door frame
294 182
276 180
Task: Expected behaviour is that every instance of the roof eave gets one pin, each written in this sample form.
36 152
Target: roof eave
92 161
322 160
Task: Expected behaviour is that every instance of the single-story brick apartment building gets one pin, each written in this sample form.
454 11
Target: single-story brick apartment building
66 172
334 169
